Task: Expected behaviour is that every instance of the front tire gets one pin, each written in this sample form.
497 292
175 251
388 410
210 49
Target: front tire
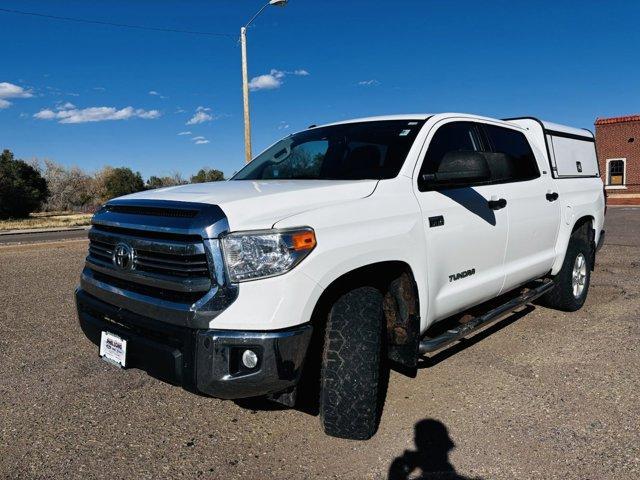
353 366
572 282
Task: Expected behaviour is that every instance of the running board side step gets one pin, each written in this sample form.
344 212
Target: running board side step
450 336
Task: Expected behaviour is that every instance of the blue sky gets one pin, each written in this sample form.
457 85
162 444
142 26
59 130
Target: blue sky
564 61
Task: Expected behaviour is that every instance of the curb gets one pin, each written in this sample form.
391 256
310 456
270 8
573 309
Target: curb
41 230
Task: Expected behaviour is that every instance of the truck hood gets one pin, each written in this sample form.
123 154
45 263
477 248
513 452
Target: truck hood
253 204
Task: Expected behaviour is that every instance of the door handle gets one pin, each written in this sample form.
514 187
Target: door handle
497 204
552 196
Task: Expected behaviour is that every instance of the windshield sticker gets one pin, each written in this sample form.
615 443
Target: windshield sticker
404 133
412 123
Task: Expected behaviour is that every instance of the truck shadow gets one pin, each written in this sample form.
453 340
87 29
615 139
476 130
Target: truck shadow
431 361
472 201
430 459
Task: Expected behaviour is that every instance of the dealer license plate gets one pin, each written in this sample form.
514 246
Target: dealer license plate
113 349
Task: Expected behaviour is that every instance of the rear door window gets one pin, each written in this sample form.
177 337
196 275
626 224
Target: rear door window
510 157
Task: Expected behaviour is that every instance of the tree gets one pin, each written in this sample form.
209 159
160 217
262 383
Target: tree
169 181
22 188
69 188
119 181
207 175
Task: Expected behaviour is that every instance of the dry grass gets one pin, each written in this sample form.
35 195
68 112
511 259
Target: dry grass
47 220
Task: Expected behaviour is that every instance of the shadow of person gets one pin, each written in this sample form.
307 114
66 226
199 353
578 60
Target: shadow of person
430 458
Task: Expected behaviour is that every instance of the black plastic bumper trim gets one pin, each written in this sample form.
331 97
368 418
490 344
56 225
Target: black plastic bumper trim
200 360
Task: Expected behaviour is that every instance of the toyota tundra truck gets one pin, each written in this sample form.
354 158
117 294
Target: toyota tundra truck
342 251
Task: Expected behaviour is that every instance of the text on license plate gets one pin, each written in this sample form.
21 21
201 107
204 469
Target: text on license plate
113 349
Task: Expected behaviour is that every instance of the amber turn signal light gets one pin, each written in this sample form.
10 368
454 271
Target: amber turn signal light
303 240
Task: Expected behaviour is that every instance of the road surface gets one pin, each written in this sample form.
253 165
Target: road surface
540 395
22 238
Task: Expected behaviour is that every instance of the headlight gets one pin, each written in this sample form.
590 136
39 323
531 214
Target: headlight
266 253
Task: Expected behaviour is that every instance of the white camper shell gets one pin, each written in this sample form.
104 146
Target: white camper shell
571 151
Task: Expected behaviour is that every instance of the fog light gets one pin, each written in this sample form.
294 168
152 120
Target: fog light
249 359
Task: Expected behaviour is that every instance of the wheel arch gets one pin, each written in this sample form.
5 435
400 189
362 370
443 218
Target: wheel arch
401 305
582 221
586 224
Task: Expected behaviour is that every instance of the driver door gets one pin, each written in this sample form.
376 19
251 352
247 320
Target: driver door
465 237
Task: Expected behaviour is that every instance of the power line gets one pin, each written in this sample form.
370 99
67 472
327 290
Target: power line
120 25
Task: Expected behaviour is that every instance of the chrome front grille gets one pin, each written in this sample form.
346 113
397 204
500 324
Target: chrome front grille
162 261
159 259
180 265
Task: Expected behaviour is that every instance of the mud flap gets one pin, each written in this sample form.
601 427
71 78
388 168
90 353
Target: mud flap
400 308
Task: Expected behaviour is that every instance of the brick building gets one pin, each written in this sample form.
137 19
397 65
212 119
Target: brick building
618 146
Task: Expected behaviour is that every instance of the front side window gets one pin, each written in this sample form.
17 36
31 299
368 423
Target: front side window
455 139
349 151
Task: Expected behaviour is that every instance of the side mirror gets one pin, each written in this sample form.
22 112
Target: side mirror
458 168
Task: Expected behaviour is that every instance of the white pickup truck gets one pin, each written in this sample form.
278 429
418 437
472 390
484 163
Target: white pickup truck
340 251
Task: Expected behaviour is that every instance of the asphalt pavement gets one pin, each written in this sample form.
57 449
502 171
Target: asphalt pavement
540 395
38 237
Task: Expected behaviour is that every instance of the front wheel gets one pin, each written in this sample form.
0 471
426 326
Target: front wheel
572 282
353 367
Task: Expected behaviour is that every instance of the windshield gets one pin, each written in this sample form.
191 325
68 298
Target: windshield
349 151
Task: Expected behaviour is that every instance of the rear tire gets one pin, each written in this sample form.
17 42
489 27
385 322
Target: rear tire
572 282
353 367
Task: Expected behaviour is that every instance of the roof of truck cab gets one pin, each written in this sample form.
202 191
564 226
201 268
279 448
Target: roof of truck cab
424 116
409 117
413 116
381 118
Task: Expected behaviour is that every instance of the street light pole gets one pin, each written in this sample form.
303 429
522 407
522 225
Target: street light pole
245 79
245 96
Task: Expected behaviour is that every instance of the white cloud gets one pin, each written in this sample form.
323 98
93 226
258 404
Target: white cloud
100 89
184 133
10 90
200 140
283 126
265 82
60 93
369 83
202 115
146 114
273 79
45 115
156 94
68 113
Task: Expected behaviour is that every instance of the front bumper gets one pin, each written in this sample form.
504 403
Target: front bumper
200 360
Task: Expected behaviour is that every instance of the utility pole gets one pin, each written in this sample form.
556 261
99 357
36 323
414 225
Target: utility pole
245 96
245 78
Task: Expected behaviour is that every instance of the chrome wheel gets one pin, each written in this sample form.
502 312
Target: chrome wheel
579 275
